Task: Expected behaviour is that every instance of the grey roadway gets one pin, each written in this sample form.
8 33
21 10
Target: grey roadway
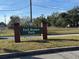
31 37
62 55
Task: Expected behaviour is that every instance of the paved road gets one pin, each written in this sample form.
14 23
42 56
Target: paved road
62 55
31 37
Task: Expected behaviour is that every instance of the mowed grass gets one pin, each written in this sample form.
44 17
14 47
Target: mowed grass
70 37
54 30
9 46
26 44
7 32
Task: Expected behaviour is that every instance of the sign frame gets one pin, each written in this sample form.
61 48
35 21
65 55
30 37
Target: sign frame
30 30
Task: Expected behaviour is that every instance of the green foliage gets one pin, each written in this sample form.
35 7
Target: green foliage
52 19
37 21
14 19
74 16
71 18
24 21
60 23
3 24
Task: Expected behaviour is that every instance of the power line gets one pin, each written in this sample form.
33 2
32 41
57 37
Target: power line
33 5
14 9
48 7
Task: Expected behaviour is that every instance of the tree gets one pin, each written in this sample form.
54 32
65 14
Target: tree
64 18
52 19
71 17
3 24
37 21
14 19
24 21
74 16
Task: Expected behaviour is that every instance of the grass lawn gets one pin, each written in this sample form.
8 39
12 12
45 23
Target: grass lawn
8 46
54 30
7 32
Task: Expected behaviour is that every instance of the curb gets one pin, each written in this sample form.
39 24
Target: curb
38 52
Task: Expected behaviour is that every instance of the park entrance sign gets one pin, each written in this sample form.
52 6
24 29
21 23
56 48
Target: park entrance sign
30 30
18 31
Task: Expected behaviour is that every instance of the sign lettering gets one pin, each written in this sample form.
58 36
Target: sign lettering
30 30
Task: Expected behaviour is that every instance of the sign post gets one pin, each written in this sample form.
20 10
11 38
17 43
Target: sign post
29 31
45 30
17 32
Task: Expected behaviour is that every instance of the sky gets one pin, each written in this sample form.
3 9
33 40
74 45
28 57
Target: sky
21 7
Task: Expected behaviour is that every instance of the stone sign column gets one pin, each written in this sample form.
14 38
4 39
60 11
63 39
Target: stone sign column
17 32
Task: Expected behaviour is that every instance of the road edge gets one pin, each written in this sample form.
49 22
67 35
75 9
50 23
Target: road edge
38 52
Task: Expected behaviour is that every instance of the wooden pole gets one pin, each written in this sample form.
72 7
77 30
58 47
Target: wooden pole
17 32
45 30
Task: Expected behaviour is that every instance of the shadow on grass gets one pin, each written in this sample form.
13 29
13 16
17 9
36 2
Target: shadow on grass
39 41
10 50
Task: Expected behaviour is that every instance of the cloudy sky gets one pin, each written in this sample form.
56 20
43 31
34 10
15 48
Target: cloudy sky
46 7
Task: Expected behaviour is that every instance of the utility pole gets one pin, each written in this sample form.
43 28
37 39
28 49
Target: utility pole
31 11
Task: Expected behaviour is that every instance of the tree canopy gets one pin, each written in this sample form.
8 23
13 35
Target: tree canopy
71 18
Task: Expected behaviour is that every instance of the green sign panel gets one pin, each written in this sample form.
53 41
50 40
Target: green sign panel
30 30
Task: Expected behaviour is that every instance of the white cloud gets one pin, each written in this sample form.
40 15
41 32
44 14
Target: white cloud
5 19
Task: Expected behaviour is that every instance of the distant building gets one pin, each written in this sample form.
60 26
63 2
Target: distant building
2 25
